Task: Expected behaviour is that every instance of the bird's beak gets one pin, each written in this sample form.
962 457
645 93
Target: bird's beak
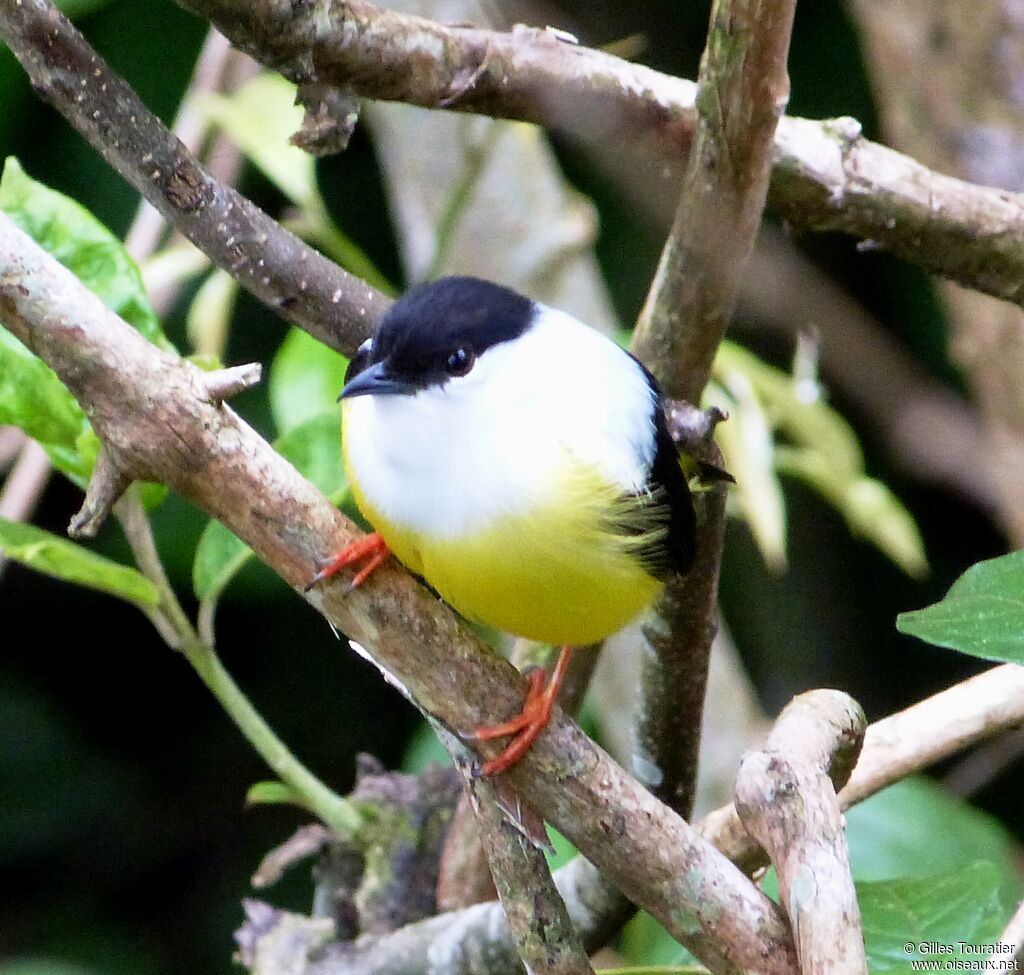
375 382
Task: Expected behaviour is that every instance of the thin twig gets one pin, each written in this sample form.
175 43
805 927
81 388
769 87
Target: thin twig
273 264
139 533
106 485
222 384
465 877
12 439
741 95
23 489
935 728
786 800
25 483
144 404
176 629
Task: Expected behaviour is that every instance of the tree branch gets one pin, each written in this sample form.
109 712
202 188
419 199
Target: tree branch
898 746
826 176
153 410
274 265
787 802
546 940
742 91
936 728
24 486
190 126
893 748
741 94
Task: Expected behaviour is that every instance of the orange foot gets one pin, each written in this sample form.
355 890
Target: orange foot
530 722
370 547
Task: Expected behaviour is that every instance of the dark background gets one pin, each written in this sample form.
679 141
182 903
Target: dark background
124 844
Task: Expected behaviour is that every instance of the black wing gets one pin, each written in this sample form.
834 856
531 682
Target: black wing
667 484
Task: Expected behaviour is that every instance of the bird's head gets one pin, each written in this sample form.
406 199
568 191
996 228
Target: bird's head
436 338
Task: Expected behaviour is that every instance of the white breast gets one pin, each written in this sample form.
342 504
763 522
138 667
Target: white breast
453 459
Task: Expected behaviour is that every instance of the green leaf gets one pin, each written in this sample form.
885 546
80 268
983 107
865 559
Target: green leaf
65 560
71 234
305 379
807 420
646 944
260 118
32 397
982 613
220 556
916 827
314 448
272 794
823 452
871 510
748 449
904 920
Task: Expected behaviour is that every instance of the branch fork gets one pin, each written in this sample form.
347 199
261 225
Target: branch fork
786 800
111 478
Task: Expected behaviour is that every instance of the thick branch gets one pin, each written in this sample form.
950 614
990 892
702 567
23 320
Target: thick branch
786 800
898 746
742 92
152 409
936 728
678 633
274 265
527 74
545 938
826 176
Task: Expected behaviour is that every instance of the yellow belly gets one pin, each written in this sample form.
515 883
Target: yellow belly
556 574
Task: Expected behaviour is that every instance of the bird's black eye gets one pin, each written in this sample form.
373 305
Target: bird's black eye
459 362
359 361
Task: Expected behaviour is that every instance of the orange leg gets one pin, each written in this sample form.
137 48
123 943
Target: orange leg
530 722
371 548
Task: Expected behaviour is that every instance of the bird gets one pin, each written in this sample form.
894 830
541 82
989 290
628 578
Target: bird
520 462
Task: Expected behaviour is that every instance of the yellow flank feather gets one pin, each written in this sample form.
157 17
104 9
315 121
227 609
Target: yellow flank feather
569 572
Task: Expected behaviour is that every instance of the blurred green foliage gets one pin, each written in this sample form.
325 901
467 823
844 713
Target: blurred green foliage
124 843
